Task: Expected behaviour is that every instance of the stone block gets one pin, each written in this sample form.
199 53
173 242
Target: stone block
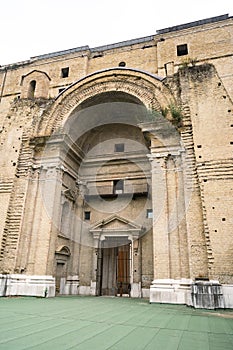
146 293
136 290
84 290
227 290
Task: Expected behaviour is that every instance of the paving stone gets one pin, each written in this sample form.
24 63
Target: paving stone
66 323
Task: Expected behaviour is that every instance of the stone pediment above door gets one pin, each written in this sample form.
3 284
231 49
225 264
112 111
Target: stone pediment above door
116 225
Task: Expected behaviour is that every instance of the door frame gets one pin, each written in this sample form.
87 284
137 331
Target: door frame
100 265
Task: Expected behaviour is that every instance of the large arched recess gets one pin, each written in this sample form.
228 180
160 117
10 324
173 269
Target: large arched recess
149 89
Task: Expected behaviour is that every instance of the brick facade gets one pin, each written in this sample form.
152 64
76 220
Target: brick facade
128 145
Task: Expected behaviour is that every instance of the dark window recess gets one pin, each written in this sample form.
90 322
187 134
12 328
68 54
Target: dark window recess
118 186
122 64
32 88
182 50
119 147
149 213
87 215
98 55
65 72
146 47
60 90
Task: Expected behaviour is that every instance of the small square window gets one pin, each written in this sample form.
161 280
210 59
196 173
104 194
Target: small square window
87 215
65 72
119 147
149 213
182 50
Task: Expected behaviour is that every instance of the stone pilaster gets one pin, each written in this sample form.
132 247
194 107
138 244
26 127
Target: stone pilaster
45 220
160 216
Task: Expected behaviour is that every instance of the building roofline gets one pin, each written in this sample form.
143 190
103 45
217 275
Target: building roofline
145 39
193 24
137 40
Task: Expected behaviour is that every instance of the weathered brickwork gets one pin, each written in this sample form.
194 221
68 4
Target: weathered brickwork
116 162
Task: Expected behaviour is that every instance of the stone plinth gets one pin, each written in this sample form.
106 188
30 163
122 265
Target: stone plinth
24 285
227 290
207 295
171 291
199 294
69 285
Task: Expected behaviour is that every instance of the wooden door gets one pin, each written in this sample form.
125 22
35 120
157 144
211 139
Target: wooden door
123 269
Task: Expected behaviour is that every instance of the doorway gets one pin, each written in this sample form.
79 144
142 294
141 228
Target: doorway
60 273
113 268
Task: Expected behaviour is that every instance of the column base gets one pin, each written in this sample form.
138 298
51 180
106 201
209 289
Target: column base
26 285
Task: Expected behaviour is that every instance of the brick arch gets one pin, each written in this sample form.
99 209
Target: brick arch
148 89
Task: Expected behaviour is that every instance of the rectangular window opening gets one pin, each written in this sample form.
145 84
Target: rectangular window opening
118 186
119 147
65 72
87 215
149 213
182 50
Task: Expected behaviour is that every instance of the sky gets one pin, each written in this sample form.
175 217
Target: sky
33 27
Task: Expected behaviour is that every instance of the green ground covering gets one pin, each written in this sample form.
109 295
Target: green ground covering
102 323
